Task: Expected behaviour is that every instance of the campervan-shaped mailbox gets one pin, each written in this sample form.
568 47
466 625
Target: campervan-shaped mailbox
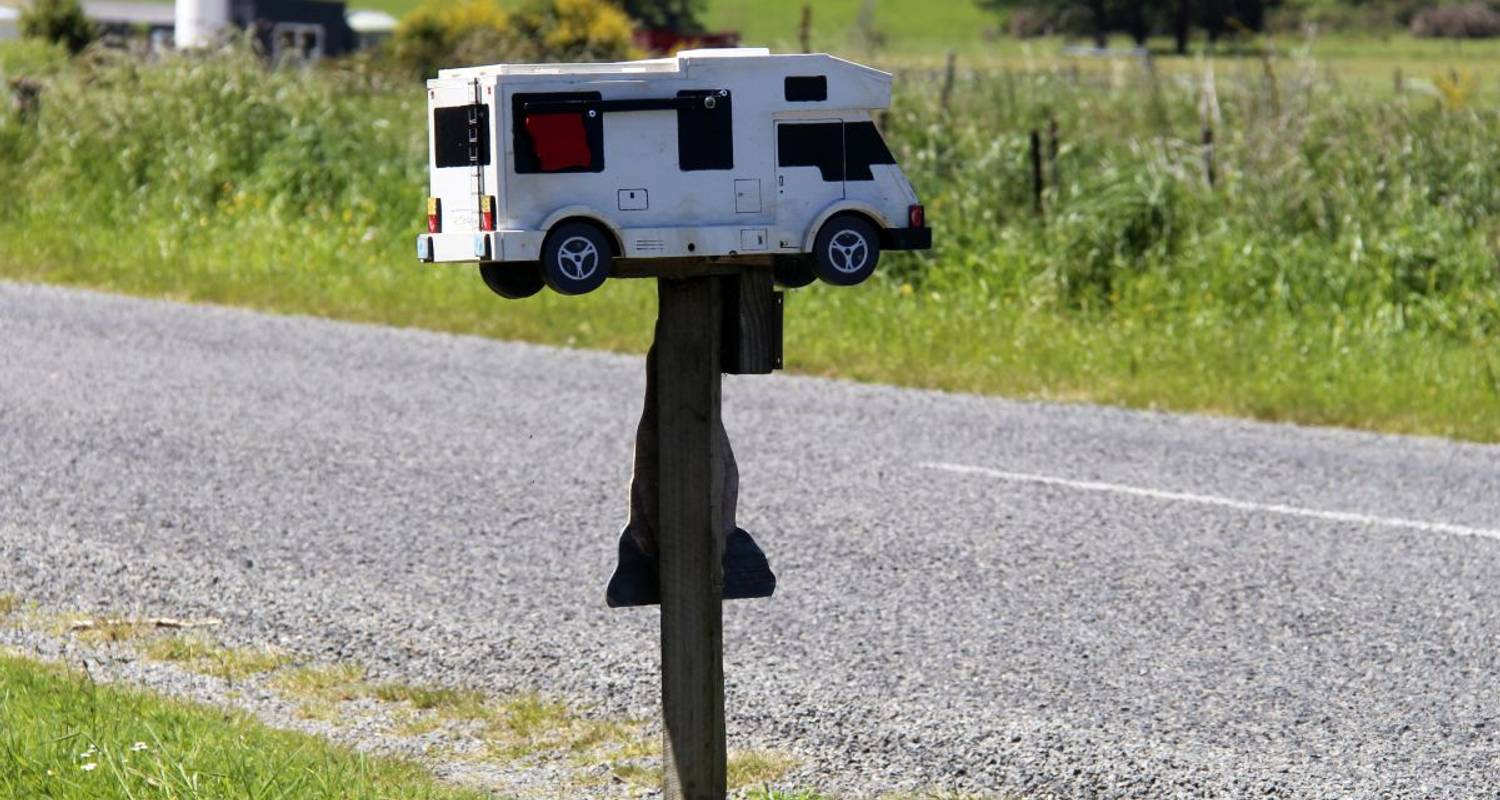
548 173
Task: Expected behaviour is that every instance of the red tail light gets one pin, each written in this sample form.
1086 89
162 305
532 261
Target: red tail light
916 217
434 215
487 213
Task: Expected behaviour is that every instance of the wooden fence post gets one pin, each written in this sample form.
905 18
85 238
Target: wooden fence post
689 338
1036 170
949 75
804 28
1054 144
1208 154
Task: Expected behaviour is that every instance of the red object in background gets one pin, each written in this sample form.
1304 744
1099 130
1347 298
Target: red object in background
916 217
666 40
559 140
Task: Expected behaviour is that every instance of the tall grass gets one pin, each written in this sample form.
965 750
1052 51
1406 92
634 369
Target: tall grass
1342 270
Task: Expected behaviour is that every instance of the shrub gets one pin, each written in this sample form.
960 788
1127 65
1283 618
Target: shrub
577 30
1470 21
59 21
440 33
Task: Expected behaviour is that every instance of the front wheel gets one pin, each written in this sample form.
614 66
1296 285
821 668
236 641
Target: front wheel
846 250
513 281
576 258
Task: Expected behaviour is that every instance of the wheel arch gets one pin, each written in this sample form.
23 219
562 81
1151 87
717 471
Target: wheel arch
563 216
871 215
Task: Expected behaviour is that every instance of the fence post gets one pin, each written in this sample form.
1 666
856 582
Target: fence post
804 28
948 77
1036 170
1053 146
1208 154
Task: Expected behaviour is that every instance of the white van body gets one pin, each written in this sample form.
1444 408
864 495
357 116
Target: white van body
711 153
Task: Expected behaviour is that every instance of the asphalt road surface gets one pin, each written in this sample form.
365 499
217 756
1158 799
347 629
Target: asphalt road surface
974 593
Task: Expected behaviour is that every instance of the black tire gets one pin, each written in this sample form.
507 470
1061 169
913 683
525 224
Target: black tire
512 280
846 250
793 272
576 258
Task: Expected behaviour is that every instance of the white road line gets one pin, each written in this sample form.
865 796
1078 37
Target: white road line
1212 500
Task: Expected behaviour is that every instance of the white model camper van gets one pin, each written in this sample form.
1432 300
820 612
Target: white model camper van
547 173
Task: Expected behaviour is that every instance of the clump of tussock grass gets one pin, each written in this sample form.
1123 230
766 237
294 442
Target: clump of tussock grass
202 656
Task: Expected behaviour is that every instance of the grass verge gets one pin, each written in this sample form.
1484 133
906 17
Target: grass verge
63 737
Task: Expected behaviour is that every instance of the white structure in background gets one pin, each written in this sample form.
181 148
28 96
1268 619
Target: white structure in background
199 22
10 20
548 172
370 27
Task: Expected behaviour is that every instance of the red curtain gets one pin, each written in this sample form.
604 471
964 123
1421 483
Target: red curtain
560 141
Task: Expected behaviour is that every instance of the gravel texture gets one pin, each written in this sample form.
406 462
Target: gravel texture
445 508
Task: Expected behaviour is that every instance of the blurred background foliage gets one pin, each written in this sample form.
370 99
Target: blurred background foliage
1333 257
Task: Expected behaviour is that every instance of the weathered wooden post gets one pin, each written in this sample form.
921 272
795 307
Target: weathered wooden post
691 536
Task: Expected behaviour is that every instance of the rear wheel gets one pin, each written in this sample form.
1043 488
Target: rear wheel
512 280
793 272
846 250
576 258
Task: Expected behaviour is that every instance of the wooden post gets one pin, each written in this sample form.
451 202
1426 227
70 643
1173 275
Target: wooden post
1208 155
689 332
804 28
1054 145
949 75
1036 170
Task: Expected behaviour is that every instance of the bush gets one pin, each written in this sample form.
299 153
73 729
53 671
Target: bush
1471 21
442 33
59 21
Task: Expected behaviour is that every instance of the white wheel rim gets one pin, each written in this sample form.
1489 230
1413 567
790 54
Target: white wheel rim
578 258
848 251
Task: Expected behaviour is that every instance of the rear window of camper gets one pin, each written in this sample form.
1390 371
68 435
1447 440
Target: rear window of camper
461 136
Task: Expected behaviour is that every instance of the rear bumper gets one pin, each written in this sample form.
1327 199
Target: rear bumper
906 239
507 245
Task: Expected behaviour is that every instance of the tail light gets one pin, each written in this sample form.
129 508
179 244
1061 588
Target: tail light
434 215
487 212
916 217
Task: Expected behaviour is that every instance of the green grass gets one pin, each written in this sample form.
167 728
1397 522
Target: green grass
64 737
1343 271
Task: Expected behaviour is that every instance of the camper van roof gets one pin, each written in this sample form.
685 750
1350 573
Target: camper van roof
674 64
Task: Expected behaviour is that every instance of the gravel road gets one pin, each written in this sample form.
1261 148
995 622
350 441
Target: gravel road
974 593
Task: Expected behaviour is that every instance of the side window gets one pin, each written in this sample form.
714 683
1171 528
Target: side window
461 135
565 135
805 88
863 147
705 137
812 144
